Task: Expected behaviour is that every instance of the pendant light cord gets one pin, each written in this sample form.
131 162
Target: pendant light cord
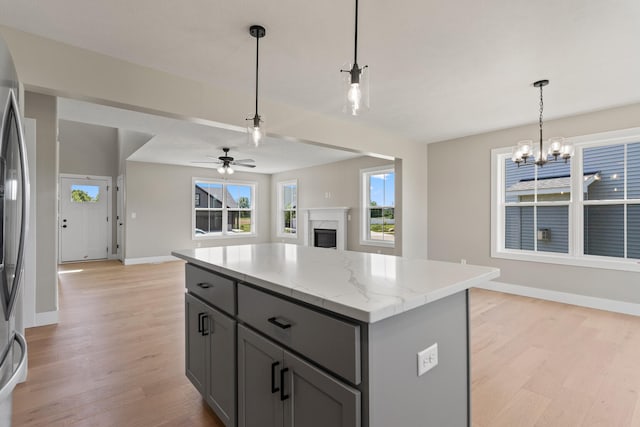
257 64
355 48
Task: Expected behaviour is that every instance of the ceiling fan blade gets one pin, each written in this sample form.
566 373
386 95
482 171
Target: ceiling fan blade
243 161
243 165
216 163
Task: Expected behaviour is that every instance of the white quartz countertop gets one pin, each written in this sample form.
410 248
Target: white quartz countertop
363 286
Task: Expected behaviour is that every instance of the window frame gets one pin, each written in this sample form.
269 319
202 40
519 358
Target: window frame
365 174
281 210
575 255
224 234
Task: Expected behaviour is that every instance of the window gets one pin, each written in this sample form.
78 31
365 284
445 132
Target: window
288 209
223 208
378 206
583 212
85 193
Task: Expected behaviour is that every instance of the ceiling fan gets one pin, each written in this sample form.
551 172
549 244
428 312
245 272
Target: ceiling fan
225 161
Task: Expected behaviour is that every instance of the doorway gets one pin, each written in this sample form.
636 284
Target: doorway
84 224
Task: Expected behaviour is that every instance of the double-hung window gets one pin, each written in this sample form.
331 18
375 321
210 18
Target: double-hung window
288 209
223 208
582 212
378 206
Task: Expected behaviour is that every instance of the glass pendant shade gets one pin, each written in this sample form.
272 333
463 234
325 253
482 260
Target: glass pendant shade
230 170
356 90
567 151
221 170
524 149
256 131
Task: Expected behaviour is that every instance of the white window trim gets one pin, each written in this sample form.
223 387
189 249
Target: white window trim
224 234
575 257
280 214
364 205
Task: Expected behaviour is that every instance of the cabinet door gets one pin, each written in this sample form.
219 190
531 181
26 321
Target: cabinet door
221 361
259 366
317 399
195 342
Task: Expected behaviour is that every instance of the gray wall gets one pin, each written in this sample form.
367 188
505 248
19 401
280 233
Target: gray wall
459 176
342 181
161 197
43 109
128 143
87 149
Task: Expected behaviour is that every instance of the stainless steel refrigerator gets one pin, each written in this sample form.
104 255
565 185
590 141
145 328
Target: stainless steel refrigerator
14 198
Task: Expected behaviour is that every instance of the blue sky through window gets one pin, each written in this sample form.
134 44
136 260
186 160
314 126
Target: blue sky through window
91 190
381 190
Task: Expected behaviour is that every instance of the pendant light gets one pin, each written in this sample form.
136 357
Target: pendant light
256 128
555 147
357 82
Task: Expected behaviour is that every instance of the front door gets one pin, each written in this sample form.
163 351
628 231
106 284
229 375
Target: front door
84 219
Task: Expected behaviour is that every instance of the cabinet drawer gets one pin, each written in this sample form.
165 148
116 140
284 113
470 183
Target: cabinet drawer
214 289
328 341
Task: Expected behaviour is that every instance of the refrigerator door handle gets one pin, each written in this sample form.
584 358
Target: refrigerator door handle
8 387
13 106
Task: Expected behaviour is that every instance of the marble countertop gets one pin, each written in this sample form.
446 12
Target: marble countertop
363 286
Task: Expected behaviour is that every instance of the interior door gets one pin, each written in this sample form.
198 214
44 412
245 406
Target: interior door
84 219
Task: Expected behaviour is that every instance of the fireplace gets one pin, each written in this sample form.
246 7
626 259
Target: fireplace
324 238
331 219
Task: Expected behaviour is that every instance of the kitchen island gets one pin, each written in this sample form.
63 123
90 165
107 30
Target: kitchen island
288 335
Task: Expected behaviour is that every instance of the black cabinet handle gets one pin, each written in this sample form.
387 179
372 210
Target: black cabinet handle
205 285
205 321
279 324
282 395
274 389
200 322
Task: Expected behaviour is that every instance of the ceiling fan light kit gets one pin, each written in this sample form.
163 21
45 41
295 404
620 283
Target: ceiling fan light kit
553 149
226 161
256 128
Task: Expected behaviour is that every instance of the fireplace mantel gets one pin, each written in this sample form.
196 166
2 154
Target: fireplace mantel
334 218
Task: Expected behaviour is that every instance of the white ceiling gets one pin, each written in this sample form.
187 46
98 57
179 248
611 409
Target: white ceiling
180 142
439 68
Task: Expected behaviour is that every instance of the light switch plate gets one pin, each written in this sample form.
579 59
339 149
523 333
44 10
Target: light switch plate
427 359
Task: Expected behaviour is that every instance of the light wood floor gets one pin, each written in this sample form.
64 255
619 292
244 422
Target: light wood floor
117 358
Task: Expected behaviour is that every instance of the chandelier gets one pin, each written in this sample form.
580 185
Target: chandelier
545 151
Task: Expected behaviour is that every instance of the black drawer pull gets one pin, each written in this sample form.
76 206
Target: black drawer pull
282 395
279 324
205 285
274 389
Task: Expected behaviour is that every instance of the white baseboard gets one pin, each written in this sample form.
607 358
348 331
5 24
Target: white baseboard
46 318
564 297
149 260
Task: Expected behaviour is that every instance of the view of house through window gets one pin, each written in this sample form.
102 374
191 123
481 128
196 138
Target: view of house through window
540 213
379 206
288 208
223 208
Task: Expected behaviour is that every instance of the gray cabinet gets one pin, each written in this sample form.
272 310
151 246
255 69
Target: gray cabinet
278 389
210 338
196 343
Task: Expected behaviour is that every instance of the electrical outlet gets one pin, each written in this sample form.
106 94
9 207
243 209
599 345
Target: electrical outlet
427 359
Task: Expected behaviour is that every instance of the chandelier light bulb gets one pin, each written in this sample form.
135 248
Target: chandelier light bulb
221 170
230 170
